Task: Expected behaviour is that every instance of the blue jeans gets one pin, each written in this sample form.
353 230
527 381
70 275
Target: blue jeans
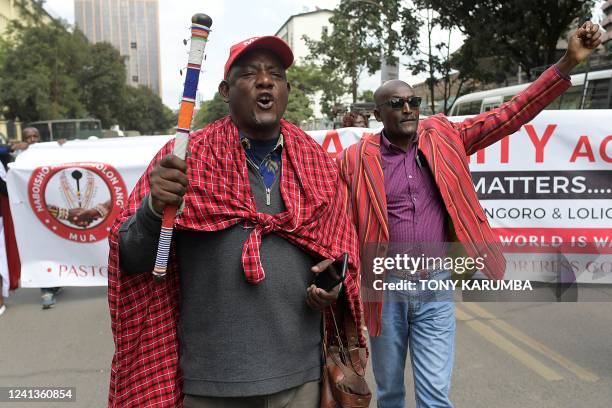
423 320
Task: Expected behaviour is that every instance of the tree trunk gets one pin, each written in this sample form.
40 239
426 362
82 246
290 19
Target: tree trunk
447 81
432 77
461 82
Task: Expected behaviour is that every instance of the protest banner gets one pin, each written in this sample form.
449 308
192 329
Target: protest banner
546 190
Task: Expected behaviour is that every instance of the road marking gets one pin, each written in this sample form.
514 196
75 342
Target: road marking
506 345
580 372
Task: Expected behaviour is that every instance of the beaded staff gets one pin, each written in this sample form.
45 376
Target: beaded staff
200 28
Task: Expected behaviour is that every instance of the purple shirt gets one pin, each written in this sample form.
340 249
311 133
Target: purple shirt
415 209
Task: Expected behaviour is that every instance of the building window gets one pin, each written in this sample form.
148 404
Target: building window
134 78
133 45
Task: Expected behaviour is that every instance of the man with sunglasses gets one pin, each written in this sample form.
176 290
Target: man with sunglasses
411 192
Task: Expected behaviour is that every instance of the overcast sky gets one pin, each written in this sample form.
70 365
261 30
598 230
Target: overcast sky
233 21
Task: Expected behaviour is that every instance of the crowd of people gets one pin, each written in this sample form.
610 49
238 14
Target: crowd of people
237 322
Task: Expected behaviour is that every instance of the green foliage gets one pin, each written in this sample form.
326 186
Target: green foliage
31 13
103 84
306 77
498 35
3 49
366 96
518 32
40 72
334 88
50 72
433 58
361 29
310 79
210 111
144 111
298 108
521 32
305 80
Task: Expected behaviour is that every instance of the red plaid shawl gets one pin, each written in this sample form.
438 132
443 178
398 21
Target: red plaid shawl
144 315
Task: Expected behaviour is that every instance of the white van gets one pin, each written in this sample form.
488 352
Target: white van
597 95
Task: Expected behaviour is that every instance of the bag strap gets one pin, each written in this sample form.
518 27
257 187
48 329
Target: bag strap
349 348
357 354
336 332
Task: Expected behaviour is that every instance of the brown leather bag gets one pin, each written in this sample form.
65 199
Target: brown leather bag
343 383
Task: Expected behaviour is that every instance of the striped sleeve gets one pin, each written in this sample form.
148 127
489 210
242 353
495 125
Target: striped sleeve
489 127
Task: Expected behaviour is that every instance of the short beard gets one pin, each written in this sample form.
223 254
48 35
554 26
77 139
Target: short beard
263 126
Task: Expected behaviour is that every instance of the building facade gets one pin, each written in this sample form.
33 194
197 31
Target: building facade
131 26
311 24
10 10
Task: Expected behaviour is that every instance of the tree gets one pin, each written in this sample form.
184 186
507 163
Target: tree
470 68
366 96
429 58
103 83
362 32
306 81
40 73
435 58
50 72
308 78
333 89
210 111
361 29
144 111
317 82
31 13
298 108
522 32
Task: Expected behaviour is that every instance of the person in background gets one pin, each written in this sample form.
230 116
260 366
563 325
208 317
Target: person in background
2 305
5 158
30 136
354 119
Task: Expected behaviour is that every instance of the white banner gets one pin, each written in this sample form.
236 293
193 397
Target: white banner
548 184
47 185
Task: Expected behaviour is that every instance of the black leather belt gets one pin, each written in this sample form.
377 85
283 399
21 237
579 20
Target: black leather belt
421 274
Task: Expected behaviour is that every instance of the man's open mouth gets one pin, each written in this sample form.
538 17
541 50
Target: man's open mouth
265 101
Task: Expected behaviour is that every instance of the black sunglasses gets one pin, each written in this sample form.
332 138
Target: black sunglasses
398 103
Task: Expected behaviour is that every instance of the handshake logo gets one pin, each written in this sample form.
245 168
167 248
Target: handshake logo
77 201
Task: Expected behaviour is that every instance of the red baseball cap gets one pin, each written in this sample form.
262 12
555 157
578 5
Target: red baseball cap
271 43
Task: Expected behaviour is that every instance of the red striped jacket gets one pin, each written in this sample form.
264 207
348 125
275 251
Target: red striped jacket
446 146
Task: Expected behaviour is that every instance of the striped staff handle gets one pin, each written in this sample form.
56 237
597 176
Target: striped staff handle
200 27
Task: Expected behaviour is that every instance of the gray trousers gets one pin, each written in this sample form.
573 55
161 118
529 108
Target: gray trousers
307 395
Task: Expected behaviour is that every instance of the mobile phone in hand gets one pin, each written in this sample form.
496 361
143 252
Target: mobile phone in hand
326 281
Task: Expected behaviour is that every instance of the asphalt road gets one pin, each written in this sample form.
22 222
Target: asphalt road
522 355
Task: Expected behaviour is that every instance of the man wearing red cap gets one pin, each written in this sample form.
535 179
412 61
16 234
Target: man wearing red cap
263 212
